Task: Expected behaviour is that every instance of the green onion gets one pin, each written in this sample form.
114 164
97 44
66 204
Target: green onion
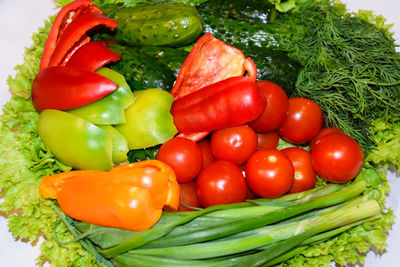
274 240
156 232
240 225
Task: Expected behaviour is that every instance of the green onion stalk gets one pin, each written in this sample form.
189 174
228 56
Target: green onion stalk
259 246
257 232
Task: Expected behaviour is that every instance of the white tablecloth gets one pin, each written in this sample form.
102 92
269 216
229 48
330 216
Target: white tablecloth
20 18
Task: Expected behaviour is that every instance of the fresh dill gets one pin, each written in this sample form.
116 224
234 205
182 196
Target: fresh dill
351 68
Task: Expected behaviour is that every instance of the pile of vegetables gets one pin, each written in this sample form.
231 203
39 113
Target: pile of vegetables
301 227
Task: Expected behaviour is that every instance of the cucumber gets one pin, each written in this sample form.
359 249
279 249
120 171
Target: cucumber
275 66
253 11
241 23
141 71
149 67
160 24
172 58
249 26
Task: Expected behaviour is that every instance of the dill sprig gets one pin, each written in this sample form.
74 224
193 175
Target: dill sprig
351 68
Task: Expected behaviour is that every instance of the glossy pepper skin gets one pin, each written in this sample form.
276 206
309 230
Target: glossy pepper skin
69 29
108 110
119 144
129 196
65 88
92 56
75 141
230 102
148 120
210 61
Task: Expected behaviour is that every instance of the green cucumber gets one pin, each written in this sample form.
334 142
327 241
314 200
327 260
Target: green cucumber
275 66
241 23
160 24
249 26
254 11
172 58
142 71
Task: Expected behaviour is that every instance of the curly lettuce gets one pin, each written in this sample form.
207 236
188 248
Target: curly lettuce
24 162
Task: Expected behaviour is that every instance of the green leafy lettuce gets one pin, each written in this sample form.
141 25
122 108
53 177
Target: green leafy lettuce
24 162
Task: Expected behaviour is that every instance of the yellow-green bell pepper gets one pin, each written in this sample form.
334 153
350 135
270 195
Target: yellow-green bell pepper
148 120
109 109
75 141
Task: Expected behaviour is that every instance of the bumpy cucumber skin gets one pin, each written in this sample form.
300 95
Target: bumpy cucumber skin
162 24
240 23
172 58
249 26
275 66
255 11
149 67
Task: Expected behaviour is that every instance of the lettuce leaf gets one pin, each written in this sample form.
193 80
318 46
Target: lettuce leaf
24 162
387 135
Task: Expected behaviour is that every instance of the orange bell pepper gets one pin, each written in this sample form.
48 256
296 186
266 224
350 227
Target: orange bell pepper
130 196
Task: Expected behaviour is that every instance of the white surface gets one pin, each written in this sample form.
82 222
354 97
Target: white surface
20 18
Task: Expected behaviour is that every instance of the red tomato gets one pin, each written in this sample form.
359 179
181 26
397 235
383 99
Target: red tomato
234 144
184 156
304 174
205 148
188 196
250 194
337 158
303 122
267 140
276 109
321 133
221 182
269 173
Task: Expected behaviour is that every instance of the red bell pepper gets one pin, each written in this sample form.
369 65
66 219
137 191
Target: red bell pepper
230 102
65 88
92 56
195 137
75 30
69 30
85 39
211 61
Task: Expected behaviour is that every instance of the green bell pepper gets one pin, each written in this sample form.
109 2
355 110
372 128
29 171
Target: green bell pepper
120 145
109 109
149 121
75 141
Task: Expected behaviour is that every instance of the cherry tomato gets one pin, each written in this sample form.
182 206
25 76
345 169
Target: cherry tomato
184 156
337 158
269 173
188 196
205 148
267 140
303 122
221 182
321 133
250 194
276 109
234 144
304 174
